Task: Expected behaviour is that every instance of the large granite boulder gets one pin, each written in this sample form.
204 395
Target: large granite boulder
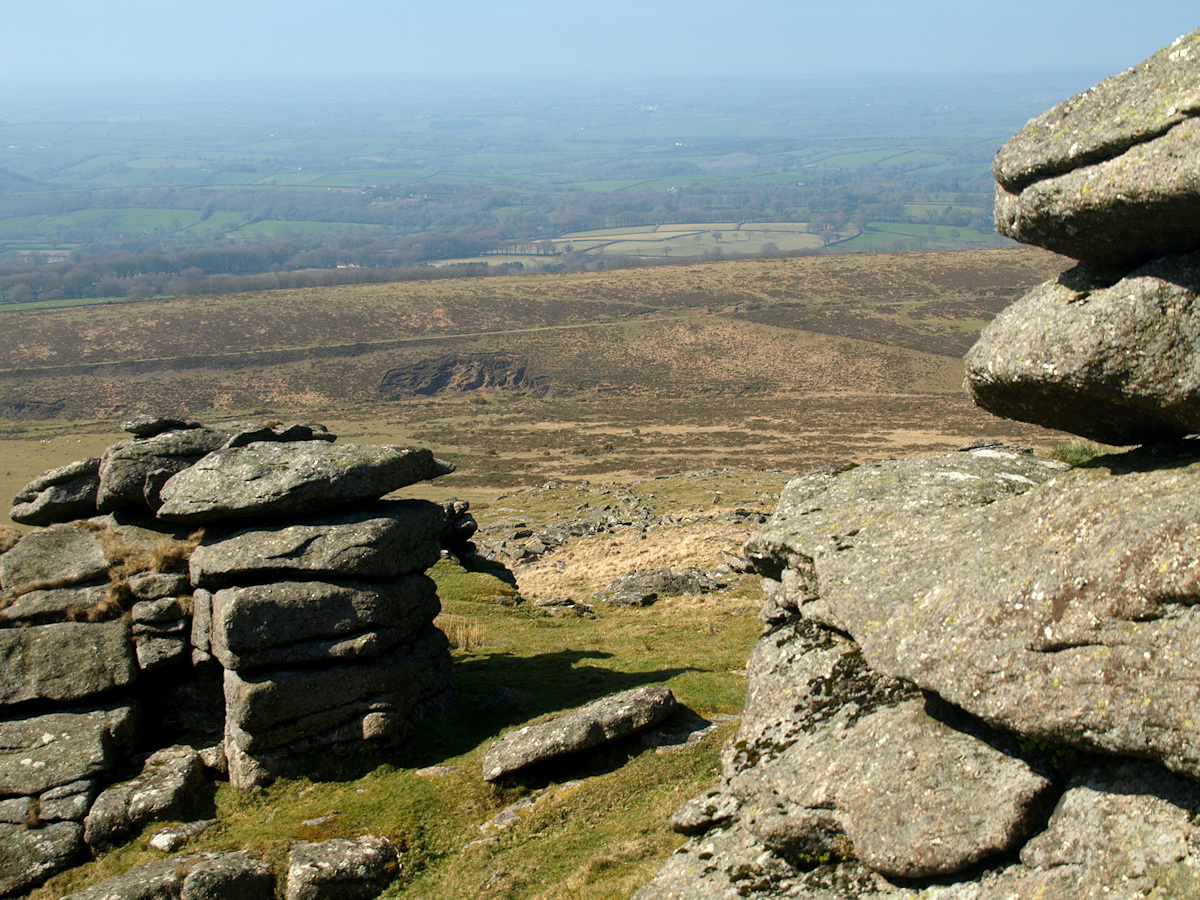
59 495
383 540
270 479
1117 363
1073 623
65 662
1109 176
603 720
132 472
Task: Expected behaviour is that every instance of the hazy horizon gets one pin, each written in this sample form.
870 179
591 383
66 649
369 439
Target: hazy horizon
80 48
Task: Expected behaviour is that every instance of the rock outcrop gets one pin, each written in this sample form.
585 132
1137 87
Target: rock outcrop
601 721
303 618
978 679
1109 177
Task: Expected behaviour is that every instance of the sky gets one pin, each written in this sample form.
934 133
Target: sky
89 43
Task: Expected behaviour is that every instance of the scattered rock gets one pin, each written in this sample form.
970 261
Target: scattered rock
168 840
604 720
168 780
209 876
643 588
341 869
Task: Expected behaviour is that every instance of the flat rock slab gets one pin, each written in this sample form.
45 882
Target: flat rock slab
1067 614
52 605
166 784
1115 363
1109 175
271 479
65 662
28 856
289 623
605 720
383 541
59 495
53 557
208 876
341 869
909 796
41 753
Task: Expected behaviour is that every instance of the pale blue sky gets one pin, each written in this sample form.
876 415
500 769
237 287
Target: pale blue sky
91 42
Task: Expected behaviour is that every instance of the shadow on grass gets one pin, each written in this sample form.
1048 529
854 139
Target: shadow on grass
535 686
498 690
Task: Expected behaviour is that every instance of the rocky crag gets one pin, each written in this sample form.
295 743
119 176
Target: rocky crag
231 599
978 675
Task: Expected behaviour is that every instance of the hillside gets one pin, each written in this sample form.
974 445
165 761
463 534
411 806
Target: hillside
780 363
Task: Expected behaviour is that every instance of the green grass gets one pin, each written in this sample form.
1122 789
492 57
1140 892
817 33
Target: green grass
602 837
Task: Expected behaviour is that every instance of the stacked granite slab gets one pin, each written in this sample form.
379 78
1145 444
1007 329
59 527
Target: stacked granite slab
67 719
311 614
1111 349
311 594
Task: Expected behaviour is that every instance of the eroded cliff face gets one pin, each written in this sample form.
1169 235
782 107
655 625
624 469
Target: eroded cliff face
978 676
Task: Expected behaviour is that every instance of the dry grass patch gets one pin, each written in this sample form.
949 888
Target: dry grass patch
593 563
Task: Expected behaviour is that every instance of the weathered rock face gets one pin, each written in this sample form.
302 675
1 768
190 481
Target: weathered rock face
383 540
59 495
341 869
589 726
53 557
1074 622
64 662
1117 363
269 479
1037 610
460 372
1109 175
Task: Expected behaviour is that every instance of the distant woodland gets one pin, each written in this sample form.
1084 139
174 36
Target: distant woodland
134 199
